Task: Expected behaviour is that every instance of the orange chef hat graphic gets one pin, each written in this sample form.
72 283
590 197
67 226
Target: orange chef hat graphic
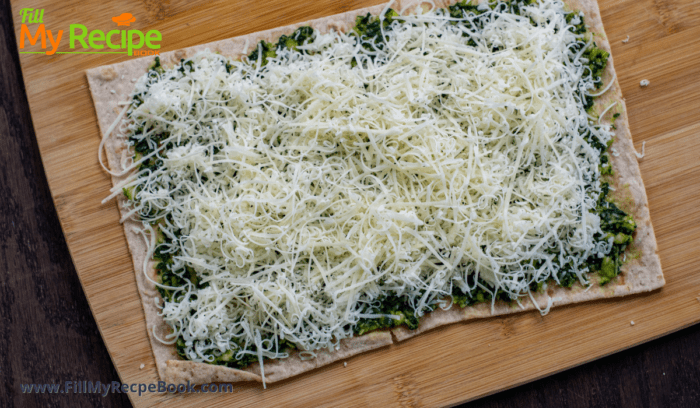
124 20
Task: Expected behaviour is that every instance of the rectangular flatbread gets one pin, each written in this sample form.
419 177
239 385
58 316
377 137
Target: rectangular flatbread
112 84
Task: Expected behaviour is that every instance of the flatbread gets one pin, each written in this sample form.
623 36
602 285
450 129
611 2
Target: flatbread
113 83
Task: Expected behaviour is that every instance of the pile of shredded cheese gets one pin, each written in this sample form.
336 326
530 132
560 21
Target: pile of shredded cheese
303 190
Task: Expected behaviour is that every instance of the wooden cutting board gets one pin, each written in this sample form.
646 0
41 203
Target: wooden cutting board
445 366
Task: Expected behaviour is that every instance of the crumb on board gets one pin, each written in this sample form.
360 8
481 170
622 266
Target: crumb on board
631 322
345 363
626 40
142 366
644 82
641 155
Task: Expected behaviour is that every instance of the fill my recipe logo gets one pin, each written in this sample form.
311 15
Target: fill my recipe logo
34 34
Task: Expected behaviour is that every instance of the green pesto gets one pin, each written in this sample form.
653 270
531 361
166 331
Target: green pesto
579 28
157 67
389 305
597 61
368 30
128 193
477 295
228 357
607 270
186 66
266 50
614 118
615 223
605 167
182 278
370 27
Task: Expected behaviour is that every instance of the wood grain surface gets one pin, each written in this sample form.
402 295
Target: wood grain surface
442 367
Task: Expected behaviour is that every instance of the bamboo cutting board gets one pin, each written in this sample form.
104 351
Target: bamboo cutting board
445 366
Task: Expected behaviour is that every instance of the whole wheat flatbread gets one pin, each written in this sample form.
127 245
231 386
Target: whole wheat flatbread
113 83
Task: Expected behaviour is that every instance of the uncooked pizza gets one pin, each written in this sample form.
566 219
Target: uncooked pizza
300 195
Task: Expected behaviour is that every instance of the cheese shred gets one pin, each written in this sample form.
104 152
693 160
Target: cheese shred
293 193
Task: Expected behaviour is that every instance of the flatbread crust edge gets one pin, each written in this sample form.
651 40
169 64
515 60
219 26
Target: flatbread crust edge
113 83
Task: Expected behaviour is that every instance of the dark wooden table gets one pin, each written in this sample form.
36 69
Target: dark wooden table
48 334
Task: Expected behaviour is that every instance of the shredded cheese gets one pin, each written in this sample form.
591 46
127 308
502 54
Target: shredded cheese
641 155
301 191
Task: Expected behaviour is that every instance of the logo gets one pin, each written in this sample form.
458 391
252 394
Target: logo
84 41
124 20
